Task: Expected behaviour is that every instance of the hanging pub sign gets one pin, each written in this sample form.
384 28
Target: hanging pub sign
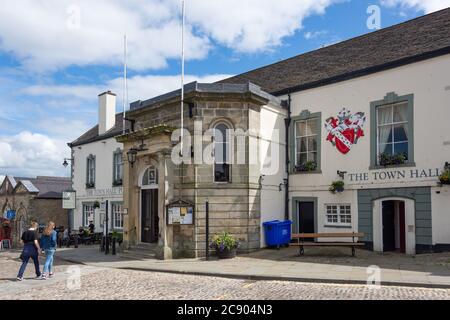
68 199
345 130
180 212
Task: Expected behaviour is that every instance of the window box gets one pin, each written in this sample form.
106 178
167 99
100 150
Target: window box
117 183
392 160
90 185
309 166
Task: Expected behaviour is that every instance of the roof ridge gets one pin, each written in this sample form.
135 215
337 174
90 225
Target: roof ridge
339 43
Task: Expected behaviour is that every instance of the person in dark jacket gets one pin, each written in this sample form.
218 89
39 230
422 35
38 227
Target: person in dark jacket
48 244
31 250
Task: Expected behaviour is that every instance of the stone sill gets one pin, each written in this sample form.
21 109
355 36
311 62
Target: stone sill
306 172
337 226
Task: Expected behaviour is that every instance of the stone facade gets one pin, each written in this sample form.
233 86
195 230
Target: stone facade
30 206
234 206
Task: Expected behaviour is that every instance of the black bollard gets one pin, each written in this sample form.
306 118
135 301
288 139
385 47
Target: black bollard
106 245
207 231
113 246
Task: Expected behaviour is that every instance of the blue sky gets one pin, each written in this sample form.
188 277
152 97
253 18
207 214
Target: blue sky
57 55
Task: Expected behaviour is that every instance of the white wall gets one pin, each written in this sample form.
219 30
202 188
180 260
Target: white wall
440 206
429 81
272 133
103 151
426 80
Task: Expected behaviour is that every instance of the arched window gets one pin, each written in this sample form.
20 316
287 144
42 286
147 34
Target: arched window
150 177
221 153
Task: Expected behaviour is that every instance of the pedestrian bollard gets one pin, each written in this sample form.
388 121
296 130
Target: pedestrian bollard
76 241
113 246
106 245
102 244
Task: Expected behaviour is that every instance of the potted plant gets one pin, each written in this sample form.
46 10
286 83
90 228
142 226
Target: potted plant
225 245
337 186
389 160
444 178
308 166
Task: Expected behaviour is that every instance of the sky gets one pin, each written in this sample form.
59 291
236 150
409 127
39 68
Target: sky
56 56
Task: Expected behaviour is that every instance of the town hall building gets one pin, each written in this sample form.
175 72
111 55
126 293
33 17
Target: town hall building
350 137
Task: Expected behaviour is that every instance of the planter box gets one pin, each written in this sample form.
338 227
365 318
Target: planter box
226 254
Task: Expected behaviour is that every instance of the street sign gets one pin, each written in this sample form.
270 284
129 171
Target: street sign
69 199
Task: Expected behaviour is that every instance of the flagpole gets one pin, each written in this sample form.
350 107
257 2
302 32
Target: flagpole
182 72
183 13
125 89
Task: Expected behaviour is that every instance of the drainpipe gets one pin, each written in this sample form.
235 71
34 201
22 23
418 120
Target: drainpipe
287 122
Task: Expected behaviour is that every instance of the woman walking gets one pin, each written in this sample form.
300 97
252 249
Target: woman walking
31 250
48 243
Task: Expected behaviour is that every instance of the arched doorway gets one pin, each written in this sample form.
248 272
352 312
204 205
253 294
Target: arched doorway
394 225
149 220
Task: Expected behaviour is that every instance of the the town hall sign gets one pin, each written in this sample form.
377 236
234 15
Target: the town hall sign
345 130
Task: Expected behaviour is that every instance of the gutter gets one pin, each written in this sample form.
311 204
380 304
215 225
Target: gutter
287 123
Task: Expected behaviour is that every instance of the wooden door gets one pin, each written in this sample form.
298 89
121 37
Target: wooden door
149 216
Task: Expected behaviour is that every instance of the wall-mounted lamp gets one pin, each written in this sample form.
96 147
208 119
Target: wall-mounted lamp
131 156
66 162
341 174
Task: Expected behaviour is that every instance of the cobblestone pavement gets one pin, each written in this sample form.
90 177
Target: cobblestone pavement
128 284
102 283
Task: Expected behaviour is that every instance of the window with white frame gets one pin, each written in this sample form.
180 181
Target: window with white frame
338 214
117 168
88 214
306 134
117 213
393 130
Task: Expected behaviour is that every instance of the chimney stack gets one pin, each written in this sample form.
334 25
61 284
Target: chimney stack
106 112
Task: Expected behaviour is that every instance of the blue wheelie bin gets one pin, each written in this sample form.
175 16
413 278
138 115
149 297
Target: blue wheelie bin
277 233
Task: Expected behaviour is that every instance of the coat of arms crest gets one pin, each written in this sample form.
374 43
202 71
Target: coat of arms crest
345 130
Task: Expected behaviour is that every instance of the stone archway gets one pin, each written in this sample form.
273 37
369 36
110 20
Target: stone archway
20 223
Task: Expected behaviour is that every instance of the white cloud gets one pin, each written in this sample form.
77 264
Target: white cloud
314 34
32 154
426 6
52 34
252 25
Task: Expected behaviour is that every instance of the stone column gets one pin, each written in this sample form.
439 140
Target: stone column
165 172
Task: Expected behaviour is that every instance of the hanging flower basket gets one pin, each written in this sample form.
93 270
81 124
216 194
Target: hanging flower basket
444 178
337 186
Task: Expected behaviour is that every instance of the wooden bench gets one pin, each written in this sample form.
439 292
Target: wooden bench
302 236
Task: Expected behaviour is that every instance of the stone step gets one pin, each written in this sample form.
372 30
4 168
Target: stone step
140 251
127 254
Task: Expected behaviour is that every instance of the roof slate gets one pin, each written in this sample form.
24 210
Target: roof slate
413 40
92 134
